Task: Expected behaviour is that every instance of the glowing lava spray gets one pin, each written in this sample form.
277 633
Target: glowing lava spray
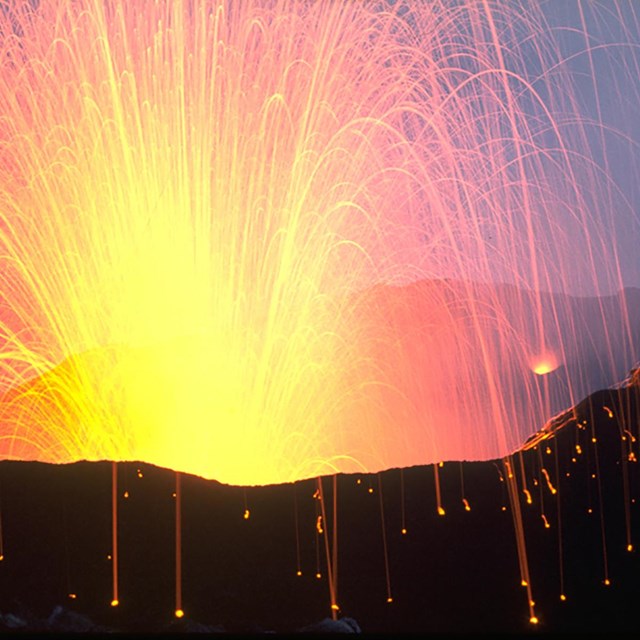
261 241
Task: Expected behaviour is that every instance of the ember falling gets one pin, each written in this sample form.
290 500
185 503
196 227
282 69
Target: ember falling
262 242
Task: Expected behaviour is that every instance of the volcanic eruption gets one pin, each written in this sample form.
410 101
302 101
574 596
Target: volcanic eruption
266 241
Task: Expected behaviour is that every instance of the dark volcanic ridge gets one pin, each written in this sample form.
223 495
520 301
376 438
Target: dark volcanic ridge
453 573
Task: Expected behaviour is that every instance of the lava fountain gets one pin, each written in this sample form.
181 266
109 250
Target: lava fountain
266 241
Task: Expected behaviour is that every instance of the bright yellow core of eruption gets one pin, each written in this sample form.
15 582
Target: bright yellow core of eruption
189 197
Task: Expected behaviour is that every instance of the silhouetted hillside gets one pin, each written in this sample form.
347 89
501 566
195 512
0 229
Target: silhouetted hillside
457 572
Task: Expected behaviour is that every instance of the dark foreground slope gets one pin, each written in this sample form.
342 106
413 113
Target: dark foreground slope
457 572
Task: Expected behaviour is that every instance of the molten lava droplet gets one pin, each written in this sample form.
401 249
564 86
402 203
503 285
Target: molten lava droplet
467 506
72 596
607 582
441 511
533 620
389 599
563 597
544 363
298 573
115 603
335 607
629 547
179 613
404 532
247 514
549 484
542 369
318 575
